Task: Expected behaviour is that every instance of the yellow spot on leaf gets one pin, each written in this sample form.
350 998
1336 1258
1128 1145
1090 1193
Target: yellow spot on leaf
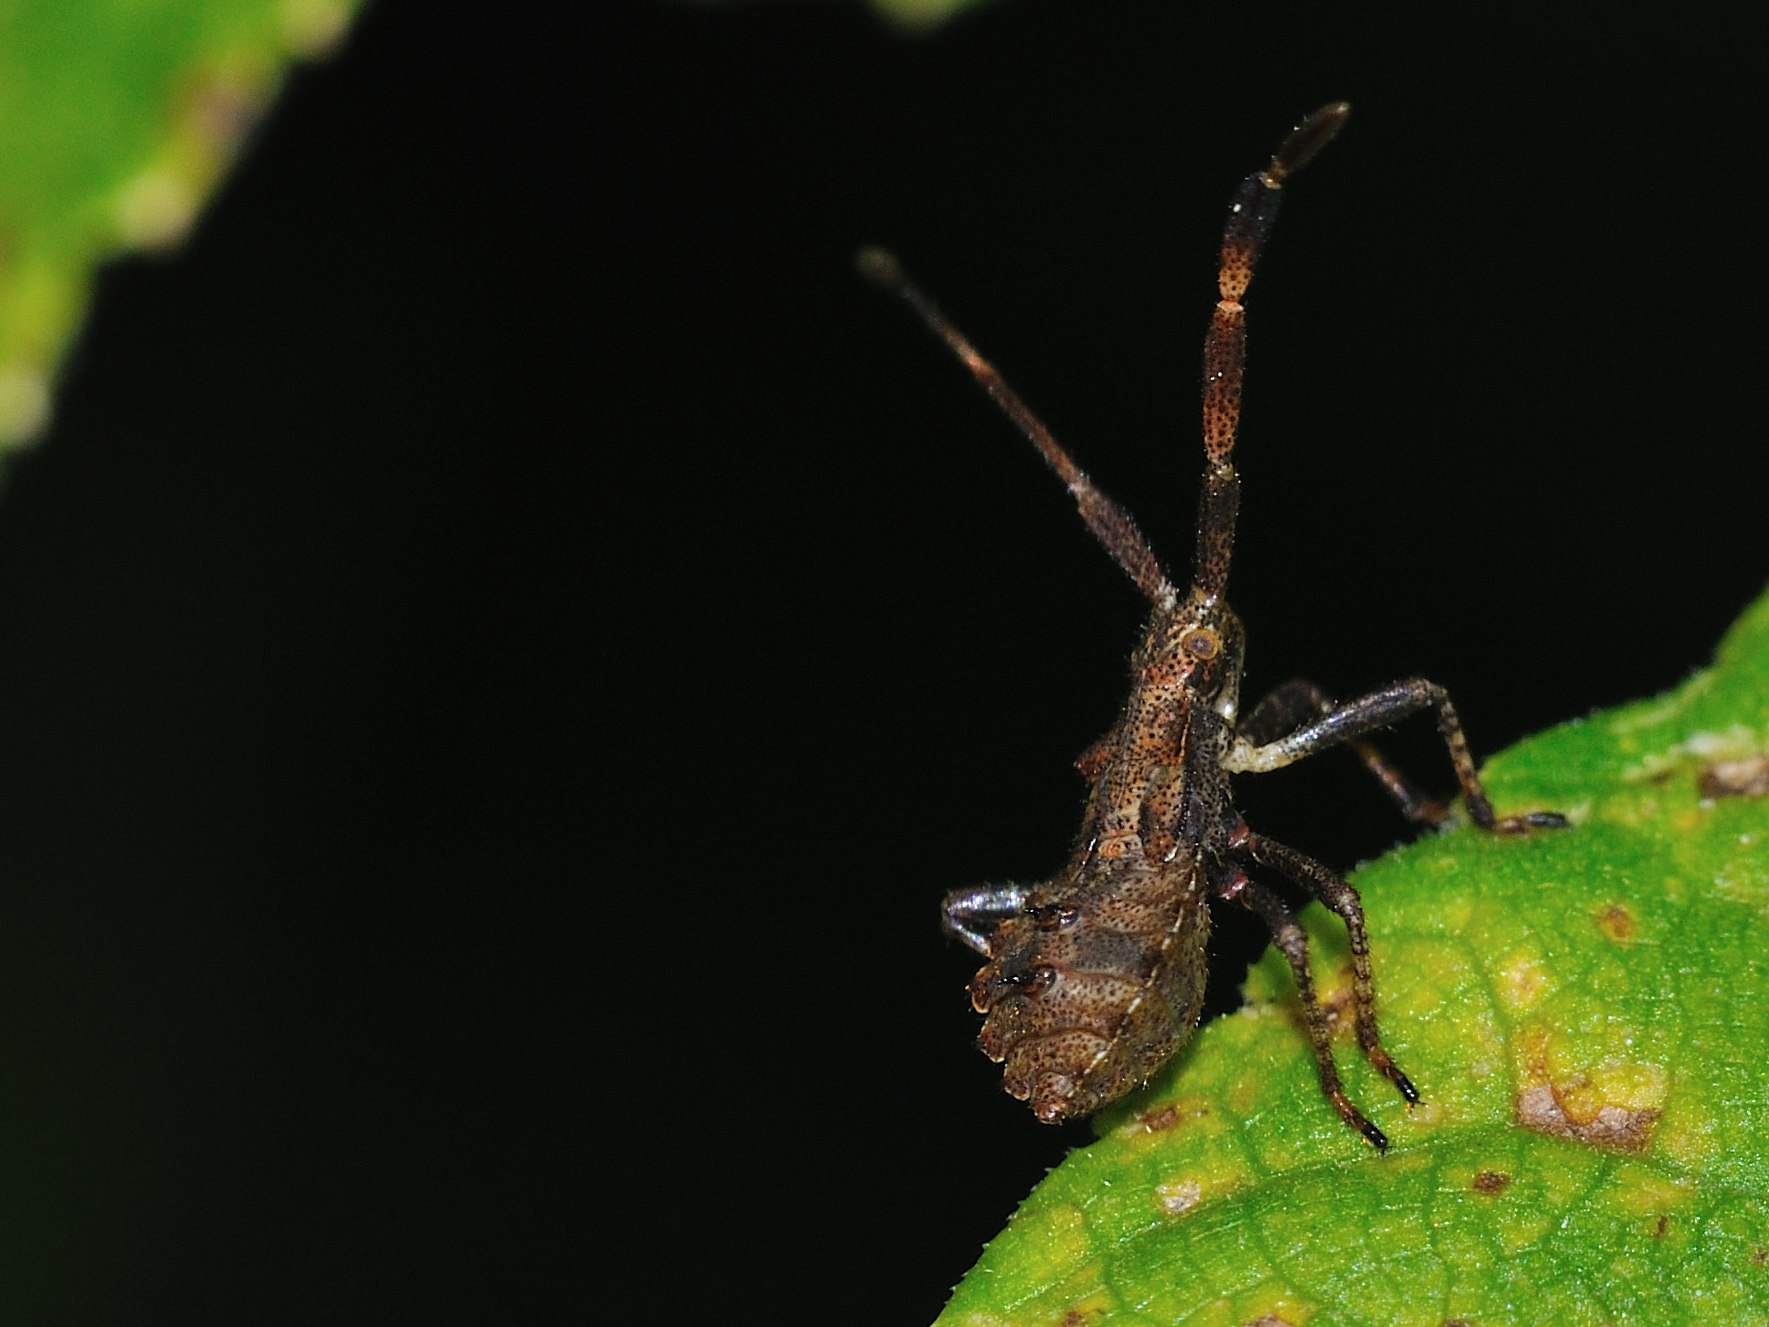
313 27
24 402
1458 908
1687 1132
1523 977
1061 1232
1244 1094
1428 1115
1687 821
155 209
1733 740
1641 1191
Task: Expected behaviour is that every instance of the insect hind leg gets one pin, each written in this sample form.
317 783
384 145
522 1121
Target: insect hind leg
1343 901
1292 942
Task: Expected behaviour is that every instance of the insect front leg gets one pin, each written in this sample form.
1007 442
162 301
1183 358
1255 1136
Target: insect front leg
1295 702
973 915
1380 709
1292 941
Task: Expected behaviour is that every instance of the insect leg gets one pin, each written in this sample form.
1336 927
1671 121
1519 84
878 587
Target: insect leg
1296 701
974 914
1292 942
1379 709
1333 891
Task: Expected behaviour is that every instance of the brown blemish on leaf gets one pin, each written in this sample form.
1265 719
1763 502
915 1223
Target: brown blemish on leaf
1088 1309
1160 1120
1760 1255
1148 1124
1612 1128
1455 1322
1617 923
1613 1106
1490 1182
1735 778
220 110
1177 1197
1277 1307
1660 1226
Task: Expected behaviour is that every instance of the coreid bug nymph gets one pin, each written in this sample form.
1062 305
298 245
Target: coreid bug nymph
1095 977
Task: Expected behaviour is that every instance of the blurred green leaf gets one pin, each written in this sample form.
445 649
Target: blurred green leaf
909 15
1586 1014
116 120
922 13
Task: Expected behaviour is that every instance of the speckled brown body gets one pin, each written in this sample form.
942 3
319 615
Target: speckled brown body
1095 977
1100 976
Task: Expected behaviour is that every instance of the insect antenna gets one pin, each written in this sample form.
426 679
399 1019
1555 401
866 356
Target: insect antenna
1110 523
1251 211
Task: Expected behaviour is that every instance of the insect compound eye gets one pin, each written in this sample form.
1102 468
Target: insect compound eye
1200 643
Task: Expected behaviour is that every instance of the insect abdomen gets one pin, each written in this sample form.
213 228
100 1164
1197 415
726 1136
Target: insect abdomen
1091 988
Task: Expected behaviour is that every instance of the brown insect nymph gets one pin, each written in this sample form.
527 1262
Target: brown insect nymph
1095 977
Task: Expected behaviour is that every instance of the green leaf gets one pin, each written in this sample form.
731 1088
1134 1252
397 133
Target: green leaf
910 16
116 120
1586 1014
922 14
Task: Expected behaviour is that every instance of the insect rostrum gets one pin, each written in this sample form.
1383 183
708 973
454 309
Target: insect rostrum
1095 977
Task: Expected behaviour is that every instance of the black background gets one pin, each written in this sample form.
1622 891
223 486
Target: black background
509 640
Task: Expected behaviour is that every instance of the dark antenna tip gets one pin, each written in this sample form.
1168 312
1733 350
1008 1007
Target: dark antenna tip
880 267
1310 137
